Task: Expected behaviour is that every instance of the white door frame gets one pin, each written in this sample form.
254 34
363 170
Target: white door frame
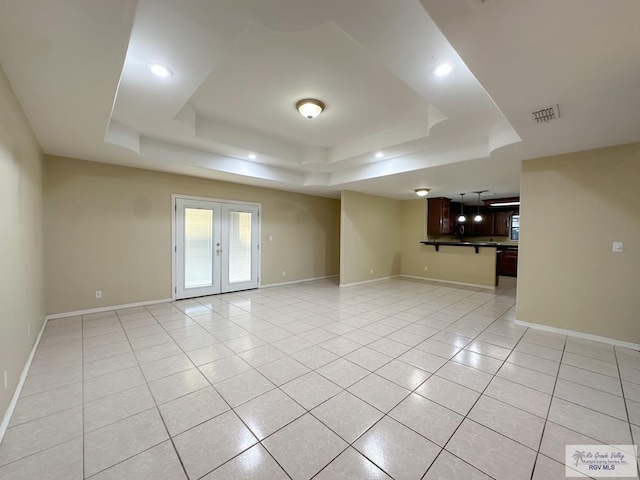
174 197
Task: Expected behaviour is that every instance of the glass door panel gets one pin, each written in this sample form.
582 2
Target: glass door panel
197 248
240 247
239 244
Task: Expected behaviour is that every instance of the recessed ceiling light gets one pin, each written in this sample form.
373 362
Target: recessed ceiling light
159 70
443 70
380 155
252 156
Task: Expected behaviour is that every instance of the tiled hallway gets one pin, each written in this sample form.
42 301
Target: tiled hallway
396 379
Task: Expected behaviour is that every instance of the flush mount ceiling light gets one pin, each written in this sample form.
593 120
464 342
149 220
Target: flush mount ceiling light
310 107
443 70
422 192
461 217
379 155
159 70
252 156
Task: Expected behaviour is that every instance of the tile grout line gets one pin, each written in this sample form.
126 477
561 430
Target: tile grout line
402 400
83 404
155 407
466 416
431 375
326 400
626 408
28 364
231 409
100 398
321 325
50 446
574 403
546 420
8 414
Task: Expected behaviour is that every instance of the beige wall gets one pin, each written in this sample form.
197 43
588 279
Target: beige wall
21 244
109 228
451 264
573 207
371 237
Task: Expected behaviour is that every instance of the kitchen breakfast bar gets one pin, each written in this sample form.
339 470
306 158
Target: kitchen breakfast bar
473 263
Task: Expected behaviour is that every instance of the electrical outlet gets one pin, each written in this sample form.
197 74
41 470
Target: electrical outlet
425 268
617 247
5 380
371 271
98 293
271 238
284 274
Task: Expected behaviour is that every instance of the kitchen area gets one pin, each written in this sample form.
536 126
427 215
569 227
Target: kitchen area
492 227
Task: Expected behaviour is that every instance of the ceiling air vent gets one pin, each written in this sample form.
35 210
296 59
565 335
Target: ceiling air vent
545 114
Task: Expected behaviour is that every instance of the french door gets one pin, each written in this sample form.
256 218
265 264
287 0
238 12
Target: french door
216 247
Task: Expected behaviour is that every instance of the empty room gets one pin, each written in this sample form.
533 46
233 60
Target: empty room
286 239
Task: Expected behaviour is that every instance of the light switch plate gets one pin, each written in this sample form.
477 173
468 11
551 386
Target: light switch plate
617 247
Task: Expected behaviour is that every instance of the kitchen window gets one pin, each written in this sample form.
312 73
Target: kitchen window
515 227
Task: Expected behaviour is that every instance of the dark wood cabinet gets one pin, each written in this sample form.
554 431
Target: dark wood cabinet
469 228
501 224
442 219
494 223
439 216
487 228
458 229
474 228
508 263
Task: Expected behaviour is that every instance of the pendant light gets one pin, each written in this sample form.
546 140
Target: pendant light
478 218
461 217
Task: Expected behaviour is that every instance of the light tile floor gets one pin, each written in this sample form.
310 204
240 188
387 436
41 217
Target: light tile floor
397 379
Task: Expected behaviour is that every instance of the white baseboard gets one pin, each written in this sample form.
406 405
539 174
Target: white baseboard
14 400
106 309
298 281
477 285
368 281
573 333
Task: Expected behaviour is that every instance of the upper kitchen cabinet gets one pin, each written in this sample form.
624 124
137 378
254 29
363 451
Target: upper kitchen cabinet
443 214
488 225
494 223
439 216
501 223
